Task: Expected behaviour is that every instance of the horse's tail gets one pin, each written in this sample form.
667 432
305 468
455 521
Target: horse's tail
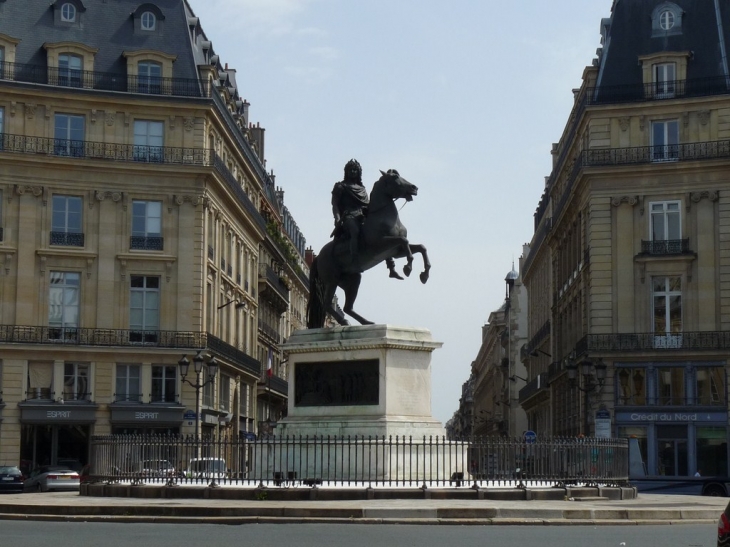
316 307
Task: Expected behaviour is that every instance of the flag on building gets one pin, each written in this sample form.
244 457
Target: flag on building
269 371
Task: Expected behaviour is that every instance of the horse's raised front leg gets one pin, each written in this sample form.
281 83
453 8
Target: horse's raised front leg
351 284
391 267
401 243
418 248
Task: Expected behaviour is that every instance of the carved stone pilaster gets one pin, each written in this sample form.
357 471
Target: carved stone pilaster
192 200
101 195
624 122
631 200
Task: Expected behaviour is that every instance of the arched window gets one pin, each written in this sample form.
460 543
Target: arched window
666 19
68 13
148 21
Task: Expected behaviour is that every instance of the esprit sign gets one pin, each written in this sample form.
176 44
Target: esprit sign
146 415
55 414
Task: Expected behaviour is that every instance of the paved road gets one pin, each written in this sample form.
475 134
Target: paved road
43 534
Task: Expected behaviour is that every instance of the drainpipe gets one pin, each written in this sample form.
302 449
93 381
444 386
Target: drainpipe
721 36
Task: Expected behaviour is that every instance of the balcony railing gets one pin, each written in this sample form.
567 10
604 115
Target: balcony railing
23 144
649 341
104 81
67 239
269 331
235 186
662 247
538 383
278 384
274 282
146 243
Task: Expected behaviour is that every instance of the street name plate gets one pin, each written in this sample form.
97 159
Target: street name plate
343 383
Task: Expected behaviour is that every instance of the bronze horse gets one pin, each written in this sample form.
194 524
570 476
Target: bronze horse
382 237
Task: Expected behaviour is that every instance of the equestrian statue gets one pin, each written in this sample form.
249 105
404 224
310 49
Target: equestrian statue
367 232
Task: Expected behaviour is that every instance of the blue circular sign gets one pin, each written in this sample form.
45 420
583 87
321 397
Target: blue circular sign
530 437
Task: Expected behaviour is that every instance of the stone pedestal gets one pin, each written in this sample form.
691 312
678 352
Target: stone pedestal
370 380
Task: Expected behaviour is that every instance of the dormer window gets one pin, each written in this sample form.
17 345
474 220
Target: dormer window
666 19
68 13
148 21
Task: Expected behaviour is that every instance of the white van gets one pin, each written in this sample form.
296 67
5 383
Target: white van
207 468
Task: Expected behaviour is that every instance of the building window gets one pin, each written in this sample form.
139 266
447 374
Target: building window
69 70
632 386
224 393
711 386
665 140
40 380
76 382
665 76
148 21
144 309
2 62
149 78
208 389
68 13
667 303
66 221
666 20
69 135
146 226
670 386
148 141
711 450
665 229
2 128
164 382
128 386
63 306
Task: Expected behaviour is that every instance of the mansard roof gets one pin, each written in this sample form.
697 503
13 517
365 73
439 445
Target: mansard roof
632 32
107 26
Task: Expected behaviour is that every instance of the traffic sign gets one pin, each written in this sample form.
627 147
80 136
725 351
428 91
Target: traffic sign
530 437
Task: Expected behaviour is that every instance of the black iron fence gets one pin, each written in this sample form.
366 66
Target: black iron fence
357 461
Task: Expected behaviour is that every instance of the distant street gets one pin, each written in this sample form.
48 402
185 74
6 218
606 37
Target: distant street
59 534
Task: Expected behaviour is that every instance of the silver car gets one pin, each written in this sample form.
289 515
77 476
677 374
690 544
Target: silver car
52 477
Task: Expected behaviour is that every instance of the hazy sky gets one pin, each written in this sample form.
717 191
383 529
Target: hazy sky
463 97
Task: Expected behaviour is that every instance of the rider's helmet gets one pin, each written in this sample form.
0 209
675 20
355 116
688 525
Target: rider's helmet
353 171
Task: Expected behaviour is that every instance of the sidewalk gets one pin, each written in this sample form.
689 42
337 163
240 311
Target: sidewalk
647 509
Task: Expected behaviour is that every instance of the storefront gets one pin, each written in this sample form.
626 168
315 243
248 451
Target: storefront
55 434
145 419
677 412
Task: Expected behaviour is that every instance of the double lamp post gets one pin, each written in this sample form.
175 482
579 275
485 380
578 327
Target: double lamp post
198 361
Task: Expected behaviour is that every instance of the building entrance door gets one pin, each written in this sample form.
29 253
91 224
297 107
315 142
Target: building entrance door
672 450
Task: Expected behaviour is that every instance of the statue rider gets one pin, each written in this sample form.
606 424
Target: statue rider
349 206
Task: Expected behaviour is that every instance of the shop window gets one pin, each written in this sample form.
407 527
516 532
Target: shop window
68 135
632 386
146 226
66 221
164 383
712 451
711 386
128 387
667 311
671 386
638 452
148 140
672 450
144 309
63 306
76 382
665 140
40 380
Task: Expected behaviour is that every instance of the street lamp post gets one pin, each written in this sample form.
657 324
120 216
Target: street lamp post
587 369
198 362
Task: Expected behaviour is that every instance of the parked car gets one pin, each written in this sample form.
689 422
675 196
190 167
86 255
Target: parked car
52 477
723 528
207 468
11 479
157 468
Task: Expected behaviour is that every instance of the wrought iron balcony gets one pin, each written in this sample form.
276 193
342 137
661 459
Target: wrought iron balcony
649 341
23 144
273 288
104 81
279 385
534 386
662 247
269 331
237 190
67 239
146 243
